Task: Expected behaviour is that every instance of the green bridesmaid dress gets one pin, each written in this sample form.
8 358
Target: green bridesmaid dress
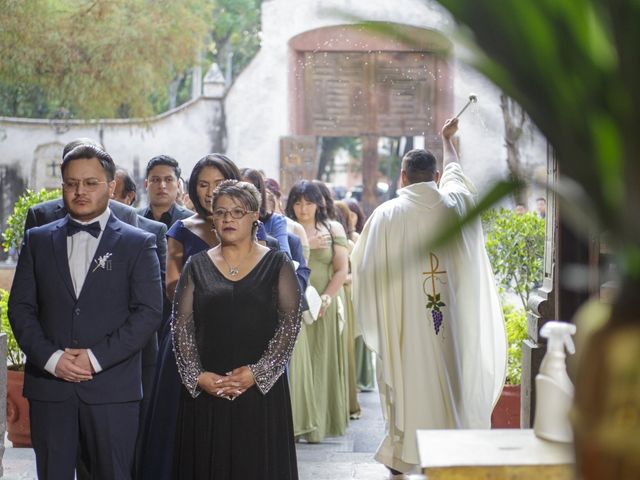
321 407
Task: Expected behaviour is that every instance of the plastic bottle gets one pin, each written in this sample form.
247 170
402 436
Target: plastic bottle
554 390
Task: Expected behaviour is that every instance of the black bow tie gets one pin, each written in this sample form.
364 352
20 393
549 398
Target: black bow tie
74 227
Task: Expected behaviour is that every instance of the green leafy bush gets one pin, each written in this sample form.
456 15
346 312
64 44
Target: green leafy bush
515 245
12 240
14 354
15 223
515 320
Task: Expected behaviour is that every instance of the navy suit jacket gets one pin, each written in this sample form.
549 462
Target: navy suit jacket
52 210
117 311
303 271
159 229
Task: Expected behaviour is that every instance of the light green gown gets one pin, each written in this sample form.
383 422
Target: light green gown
365 373
324 406
303 405
350 338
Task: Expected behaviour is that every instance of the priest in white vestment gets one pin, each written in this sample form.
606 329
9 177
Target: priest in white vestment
432 316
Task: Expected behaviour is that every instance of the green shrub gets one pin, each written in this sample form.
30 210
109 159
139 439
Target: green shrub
515 245
15 356
15 223
515 320
12 240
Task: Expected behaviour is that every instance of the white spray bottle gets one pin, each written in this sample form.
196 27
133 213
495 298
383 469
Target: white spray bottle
554 390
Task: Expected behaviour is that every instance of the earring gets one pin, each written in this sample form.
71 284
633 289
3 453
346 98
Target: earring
213 227
255 223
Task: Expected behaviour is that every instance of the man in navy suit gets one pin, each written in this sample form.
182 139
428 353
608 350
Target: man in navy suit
125 193
47 212
86 298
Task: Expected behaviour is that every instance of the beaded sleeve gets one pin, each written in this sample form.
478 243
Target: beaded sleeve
183 332
275 358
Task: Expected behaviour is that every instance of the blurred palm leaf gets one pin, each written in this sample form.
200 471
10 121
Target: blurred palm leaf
574 65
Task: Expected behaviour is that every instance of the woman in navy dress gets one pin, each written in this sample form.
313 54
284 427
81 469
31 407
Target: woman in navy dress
185 238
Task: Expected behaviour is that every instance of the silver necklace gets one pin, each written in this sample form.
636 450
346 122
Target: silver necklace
233 271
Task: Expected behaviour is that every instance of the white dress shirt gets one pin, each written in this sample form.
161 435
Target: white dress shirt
81 248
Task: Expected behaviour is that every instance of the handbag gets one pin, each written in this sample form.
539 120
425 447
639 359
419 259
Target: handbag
315 302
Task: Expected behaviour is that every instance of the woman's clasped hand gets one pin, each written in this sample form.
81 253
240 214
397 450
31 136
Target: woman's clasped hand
229 386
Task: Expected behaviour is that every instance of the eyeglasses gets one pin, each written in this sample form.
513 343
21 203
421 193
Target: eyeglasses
168 180
236 213
89 184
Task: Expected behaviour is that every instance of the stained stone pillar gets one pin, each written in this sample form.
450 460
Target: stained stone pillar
3 396
213 87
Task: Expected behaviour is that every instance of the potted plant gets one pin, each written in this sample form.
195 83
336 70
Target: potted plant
506 413
18 427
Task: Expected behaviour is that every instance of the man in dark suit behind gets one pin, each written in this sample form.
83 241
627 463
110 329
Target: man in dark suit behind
125 193
85 299
161 183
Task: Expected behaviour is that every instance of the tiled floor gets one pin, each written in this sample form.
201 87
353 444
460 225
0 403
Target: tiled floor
349 457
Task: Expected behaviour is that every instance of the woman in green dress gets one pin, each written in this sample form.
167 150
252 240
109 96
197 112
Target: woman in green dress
344 218
365 373
323 409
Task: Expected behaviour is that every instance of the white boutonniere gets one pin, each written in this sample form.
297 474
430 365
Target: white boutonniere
103 262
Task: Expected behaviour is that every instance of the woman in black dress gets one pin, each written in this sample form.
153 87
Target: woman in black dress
236 318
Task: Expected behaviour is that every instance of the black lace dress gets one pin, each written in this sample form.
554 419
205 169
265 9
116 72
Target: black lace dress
220 325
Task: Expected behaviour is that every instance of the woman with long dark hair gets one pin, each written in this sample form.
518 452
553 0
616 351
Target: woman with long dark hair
344 214
359 219
329 206
274 223
365 373
326 343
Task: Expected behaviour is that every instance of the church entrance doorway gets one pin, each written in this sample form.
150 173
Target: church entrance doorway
353 81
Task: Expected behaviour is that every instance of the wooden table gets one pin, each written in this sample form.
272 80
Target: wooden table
510 454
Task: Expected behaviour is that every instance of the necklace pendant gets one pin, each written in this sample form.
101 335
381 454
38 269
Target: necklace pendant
233 271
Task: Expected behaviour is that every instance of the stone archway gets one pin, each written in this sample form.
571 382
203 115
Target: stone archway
353 80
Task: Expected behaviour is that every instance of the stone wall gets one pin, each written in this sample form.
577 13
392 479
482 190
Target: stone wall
186 133
31 148
256 113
